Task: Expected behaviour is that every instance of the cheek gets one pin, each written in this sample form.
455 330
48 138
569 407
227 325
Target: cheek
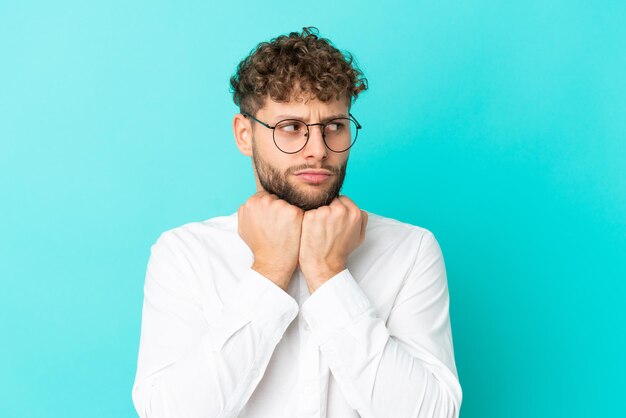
265 150
283 164
339 160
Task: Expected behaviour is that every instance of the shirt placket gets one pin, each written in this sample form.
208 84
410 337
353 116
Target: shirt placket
310 378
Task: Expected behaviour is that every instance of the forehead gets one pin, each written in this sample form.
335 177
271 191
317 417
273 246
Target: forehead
304 107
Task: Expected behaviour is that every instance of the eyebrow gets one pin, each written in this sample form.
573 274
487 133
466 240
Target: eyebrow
278 118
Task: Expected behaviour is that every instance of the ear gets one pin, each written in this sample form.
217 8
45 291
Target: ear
242 129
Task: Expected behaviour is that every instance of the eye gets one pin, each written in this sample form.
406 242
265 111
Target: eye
290 127
335 126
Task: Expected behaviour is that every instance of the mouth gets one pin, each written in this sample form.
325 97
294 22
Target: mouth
313 178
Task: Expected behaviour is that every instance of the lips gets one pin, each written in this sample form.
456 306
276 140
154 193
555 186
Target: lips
313 171
313 176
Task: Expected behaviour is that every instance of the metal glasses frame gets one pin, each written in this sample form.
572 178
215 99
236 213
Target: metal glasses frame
323 125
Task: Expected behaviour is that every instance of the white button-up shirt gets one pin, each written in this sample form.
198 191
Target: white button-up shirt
219 339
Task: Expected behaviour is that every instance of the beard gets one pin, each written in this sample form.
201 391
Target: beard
275 182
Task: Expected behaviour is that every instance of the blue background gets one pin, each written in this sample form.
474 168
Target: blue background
499 127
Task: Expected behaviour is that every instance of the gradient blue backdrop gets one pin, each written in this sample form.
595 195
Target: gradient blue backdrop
500 127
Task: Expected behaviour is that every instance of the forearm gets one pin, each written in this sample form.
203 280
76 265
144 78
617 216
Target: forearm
379 375
193 368
382 378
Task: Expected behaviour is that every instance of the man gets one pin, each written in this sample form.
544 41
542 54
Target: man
299 304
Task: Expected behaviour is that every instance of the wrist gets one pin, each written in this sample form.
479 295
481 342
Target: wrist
320 273
280 275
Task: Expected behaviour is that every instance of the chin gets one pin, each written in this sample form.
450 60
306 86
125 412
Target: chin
308 201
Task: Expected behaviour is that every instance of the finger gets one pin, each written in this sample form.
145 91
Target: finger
261 193
347 202
337 203
265 198
364 218
307 217
239 219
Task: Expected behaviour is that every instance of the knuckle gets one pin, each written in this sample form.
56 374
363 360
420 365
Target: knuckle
291 210
340 209
322 210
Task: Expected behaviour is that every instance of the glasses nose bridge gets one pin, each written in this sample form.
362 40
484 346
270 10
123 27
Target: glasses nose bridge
322 129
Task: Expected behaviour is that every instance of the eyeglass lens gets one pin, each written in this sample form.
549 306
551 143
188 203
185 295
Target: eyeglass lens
339 134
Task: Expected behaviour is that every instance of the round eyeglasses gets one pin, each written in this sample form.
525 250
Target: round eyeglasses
292 135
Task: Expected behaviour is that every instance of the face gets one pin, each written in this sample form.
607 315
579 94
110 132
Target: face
284 174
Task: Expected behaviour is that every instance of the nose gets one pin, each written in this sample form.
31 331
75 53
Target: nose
315 148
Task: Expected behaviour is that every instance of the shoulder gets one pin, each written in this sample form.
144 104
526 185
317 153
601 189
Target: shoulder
398 239
395 230
208 232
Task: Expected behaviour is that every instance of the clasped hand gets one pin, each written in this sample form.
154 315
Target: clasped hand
283 236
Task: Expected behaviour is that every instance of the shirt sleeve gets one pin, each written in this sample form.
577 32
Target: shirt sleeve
400 368
193 366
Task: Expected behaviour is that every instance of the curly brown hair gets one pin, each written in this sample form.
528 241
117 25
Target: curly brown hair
301 63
